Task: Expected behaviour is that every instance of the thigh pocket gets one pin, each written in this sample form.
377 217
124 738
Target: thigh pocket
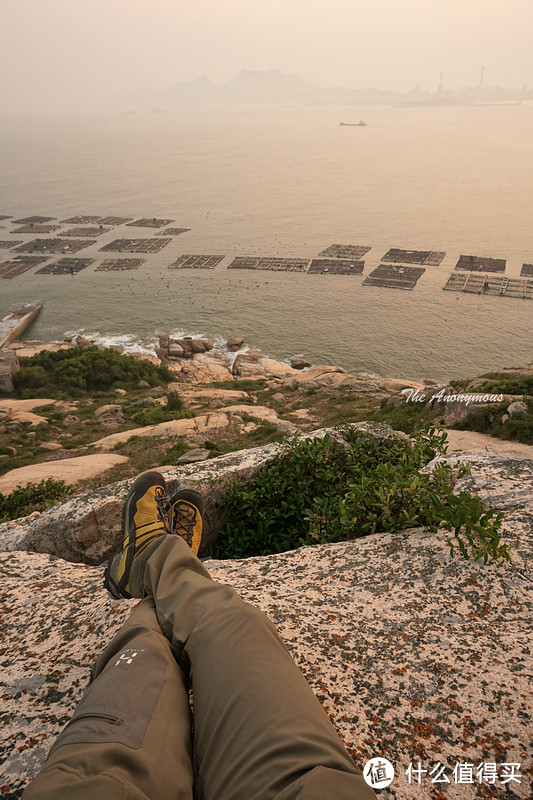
118 705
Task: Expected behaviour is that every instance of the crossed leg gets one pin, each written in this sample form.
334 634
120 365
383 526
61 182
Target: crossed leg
259 731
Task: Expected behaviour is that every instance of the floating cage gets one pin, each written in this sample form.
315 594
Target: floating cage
65 266
53 246
35 220
81 219
275 264
489 284
429 257
394 277
114 221
335 266
172 231
119 264
135 245
16 266
527 271
87 231
31 228
481 264
191 261
149 223
7 245
355 251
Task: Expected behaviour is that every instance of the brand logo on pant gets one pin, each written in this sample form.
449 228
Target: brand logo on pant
127 656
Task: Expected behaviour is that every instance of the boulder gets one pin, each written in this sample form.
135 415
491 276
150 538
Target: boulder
144 401
519 407
175 350
143 385
47 447
70 420
235 343
208 344
109 415
164 341
194 456
299 363
121 392
197 346
246 366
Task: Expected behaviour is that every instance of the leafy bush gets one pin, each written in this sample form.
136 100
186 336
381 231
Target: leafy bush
172 455
32 497
489 420
84 370
315 491
174 402
506 384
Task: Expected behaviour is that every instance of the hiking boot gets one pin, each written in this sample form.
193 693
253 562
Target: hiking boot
142 522
184 517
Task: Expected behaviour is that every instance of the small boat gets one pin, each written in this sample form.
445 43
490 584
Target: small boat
360 124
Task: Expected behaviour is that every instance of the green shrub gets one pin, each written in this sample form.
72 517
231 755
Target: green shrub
315 491
174 402
84 370
32 497
489 420
177 450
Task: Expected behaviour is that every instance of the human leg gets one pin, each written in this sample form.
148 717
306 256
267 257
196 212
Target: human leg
259 731
130 735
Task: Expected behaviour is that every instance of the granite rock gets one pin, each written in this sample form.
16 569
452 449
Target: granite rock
414 655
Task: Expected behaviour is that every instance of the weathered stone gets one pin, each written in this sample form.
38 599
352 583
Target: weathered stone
246 366
70 419
121 392
505 417
110 415
193 456
143 385
197 346
164 341
49 446
144 401
208 344
235 343
519 407
175 350
299 363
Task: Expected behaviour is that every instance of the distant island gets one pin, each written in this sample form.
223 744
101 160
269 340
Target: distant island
274 87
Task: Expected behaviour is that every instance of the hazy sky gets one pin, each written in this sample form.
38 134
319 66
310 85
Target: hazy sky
65 53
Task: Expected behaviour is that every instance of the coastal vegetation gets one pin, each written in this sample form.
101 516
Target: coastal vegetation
316 492
33 497
81 371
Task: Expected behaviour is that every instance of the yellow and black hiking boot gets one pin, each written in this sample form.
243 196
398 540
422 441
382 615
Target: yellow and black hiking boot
184 517
142 522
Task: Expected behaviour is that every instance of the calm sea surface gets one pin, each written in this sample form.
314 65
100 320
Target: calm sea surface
287 182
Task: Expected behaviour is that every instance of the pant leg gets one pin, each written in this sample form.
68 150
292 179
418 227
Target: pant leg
130 735
259 731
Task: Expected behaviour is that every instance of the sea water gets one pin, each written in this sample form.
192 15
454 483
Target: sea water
286 182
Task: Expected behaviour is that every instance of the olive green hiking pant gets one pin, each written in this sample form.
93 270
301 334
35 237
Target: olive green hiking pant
259 732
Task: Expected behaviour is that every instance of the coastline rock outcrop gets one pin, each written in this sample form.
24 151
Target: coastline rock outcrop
412 654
